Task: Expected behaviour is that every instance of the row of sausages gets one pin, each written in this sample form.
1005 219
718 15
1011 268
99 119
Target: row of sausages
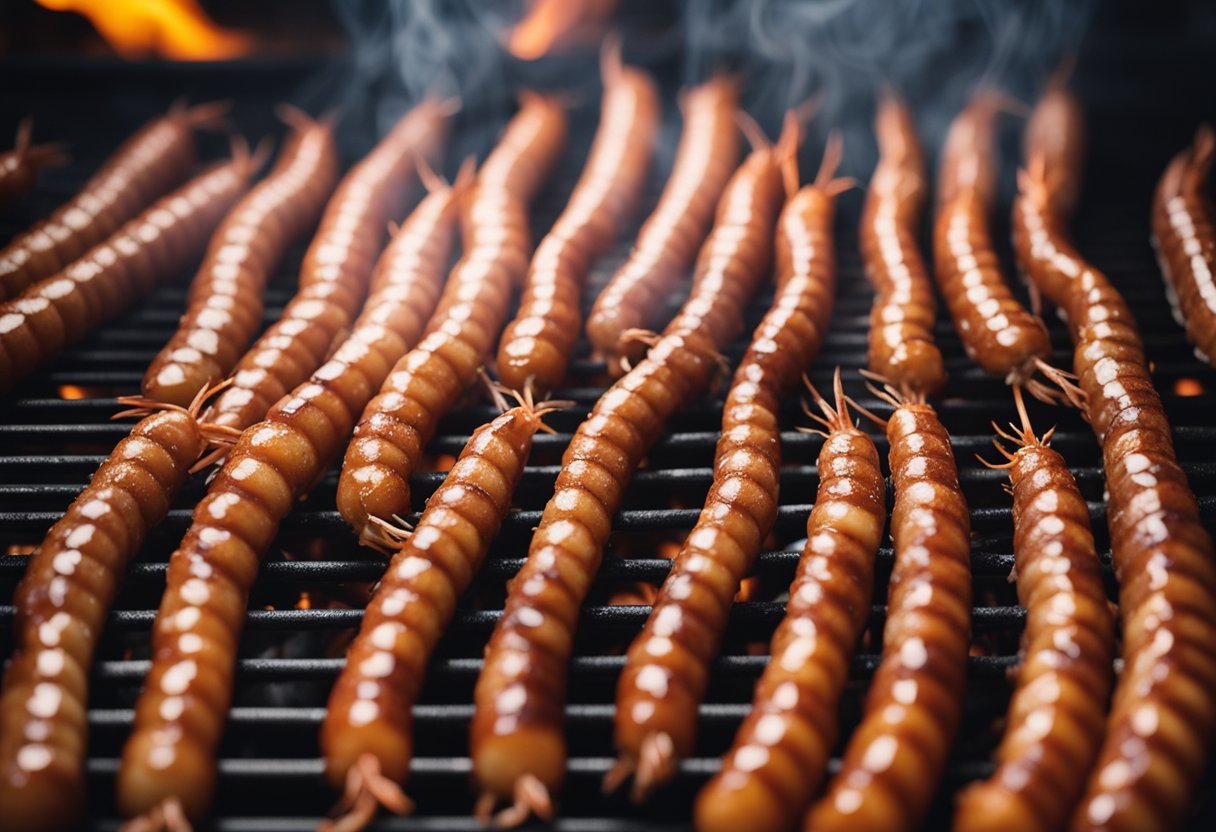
518 743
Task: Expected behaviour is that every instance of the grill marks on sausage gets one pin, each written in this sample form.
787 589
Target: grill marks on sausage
143 168
225 303
667 243
781 750
518 745
1186 241
427 382
42 321
1056 717
181 711
901 345
1163 711
895 758
667 669
998 333
336 270
537 344
368 724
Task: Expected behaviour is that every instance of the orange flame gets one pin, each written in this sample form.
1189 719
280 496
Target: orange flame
1188 387
549 23
175 29
70 392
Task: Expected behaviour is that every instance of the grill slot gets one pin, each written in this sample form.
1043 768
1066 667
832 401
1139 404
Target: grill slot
269 769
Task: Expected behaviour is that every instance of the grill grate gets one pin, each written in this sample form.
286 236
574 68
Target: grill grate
269 769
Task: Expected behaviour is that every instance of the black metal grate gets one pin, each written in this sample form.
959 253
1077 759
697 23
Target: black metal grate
270 769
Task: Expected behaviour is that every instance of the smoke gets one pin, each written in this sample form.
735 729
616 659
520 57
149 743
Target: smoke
843 53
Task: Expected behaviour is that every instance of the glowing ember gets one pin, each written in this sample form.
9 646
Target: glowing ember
305 602
70 392
549 23
1188 387
20 549
749 590
175 29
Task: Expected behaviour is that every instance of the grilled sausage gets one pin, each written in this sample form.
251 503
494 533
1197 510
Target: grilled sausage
19 167
1186 241
336 271
894 759
427 382
1056 131
61 604
518 747
39 323
902 349
225 302
1057 714
180 714
781 750
667 242
1164 707
536 345
368 729
147 165
998 333
667 669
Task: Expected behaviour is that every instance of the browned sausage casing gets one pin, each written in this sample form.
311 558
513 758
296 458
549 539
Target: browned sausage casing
668 240
336 271
902 349
781 750
537 344
61 604
518 744
181 711
225 303
428 381
894 759
43 320
1164 708
149 163
667 669
998 333
369 707
1057 716
19 167
1186 241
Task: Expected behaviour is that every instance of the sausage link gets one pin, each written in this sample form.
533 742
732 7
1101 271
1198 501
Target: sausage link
20 166
180 714
1056 718
997 332
1164 708
518 746
537 344
426 383
368 729
1186 242
901 349
225 303
667 242
43 320
667 669
781 750
61 606
1056 132
336 270
147 165
894 759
